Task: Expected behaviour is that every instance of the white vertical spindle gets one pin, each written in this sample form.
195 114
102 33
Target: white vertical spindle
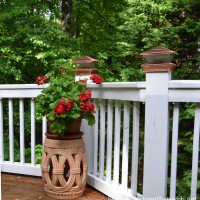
1 133
96 137
88 139
174 151
11 130
1 142
195 155
21 108
117 142
44 127
135 147
109 141
102 139
125 149
32 131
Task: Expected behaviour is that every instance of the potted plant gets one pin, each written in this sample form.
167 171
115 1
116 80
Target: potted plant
65 102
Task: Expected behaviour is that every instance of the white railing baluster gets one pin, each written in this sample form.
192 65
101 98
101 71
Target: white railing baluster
102 139
96 137
174 150
21 108
1 142
117 142
33 131
1 133
109 141
44 127
11 130
195 155
125 149
135 147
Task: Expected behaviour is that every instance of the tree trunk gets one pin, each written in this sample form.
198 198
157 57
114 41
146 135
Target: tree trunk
66 11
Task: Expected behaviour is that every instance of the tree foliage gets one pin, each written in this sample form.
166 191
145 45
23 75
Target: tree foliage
31 40
114 32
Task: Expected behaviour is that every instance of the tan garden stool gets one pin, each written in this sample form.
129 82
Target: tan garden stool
64 168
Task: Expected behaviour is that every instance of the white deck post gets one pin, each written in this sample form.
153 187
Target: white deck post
156 130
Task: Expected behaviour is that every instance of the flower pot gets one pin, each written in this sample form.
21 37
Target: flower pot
72 132
74 127
64 165
69 136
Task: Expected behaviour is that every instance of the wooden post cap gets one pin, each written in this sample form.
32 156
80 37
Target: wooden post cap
158 59
86 71
85 62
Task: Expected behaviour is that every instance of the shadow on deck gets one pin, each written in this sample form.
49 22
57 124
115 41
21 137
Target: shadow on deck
20 187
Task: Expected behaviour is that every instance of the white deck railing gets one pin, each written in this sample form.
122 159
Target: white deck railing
14 96
185 91
125 113
116 131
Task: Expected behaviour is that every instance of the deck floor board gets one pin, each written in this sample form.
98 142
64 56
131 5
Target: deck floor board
20 187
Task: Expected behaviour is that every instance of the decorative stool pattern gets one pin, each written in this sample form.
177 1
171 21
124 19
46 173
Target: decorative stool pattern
64 168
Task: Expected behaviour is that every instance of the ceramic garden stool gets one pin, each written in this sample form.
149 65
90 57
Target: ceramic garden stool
64 168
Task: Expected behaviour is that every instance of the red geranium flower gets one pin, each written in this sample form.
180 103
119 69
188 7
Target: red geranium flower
87 107
62 102
69 105
96 79
41 80
60 109
64 106
85 96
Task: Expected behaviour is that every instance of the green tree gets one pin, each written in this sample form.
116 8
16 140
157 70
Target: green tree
173 24
31 40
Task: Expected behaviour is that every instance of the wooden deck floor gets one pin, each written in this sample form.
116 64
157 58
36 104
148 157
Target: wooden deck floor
18 187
